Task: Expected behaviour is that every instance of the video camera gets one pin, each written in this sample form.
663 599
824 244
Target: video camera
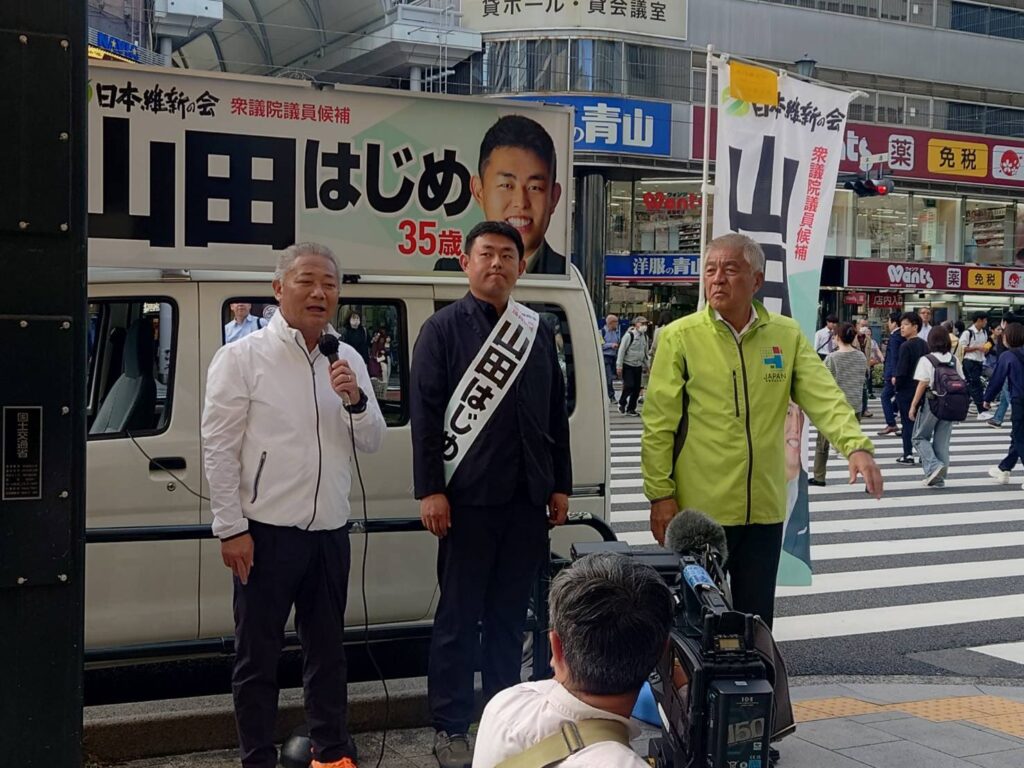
721 686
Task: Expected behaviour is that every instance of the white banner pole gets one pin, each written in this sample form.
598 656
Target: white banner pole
705 187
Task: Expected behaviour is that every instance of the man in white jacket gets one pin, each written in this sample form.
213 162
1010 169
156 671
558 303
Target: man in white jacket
278 430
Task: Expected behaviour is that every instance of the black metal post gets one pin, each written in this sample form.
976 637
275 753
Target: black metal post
42 386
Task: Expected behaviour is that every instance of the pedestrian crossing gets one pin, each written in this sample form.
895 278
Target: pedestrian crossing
924 581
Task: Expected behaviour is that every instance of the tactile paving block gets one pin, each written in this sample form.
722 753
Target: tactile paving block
1011 724
994 705
803 714
842 707
936 710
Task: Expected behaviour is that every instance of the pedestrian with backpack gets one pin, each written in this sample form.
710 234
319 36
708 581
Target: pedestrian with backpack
1010 371
941 399
630 364
846 365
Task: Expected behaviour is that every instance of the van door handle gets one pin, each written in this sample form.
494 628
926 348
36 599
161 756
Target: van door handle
164 463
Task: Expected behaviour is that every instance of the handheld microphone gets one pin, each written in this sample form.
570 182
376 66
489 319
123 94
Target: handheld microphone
328 345
691 531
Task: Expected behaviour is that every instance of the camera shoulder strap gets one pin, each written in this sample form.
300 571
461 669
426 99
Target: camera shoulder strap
570 739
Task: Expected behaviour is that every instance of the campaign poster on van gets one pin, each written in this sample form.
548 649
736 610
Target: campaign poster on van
778 151
220 172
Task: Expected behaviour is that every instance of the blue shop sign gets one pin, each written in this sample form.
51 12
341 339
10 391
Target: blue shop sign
652 267
117 46
628 126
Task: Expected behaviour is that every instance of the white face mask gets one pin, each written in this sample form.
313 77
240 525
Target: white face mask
642 328
354 322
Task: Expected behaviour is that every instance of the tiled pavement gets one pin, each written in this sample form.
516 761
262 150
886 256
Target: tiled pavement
841 725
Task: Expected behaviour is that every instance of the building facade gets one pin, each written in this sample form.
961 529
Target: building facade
942 100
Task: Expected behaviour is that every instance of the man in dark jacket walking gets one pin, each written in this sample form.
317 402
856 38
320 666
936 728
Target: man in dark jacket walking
892 356
486 388
912 350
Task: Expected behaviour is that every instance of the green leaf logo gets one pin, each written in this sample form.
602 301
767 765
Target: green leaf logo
734 107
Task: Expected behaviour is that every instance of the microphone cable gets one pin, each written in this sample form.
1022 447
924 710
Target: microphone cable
362 580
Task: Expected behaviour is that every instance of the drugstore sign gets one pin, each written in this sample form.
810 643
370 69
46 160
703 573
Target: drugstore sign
916 154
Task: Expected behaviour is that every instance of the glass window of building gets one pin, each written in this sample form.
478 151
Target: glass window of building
596 66
933 225
662 73
881 228
666 216
547 63
989 232
1018 241
619 230
840 225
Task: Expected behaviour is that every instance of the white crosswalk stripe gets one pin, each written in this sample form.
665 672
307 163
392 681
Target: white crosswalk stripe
922 570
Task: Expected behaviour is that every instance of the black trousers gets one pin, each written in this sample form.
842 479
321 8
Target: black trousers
1016 435
632 377
753 566
972 372
307 569
486 567
903 401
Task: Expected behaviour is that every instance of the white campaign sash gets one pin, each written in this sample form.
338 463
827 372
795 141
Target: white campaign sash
486 382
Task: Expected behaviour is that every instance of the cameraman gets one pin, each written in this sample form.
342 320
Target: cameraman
610 619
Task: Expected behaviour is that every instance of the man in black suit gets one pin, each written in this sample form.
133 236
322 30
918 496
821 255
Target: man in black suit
492 516
515 183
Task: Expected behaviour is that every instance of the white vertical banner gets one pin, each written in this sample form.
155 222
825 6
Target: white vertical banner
777 158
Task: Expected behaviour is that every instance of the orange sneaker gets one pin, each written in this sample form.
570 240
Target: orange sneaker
345 762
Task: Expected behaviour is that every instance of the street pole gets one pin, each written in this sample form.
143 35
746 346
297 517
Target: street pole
42 388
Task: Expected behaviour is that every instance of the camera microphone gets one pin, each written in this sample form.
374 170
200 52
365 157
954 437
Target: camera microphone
691 531
328 345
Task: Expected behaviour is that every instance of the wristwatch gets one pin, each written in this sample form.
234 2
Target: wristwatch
360 406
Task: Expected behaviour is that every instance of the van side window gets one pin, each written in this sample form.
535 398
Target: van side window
132 348
244 315
557 320
379 337
555 317
377 330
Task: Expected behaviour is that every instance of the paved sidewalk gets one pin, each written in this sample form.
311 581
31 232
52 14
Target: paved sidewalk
841 725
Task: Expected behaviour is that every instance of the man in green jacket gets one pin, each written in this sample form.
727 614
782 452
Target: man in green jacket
715 414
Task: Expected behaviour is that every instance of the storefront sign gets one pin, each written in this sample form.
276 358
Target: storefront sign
933 277
190 170
652 268
626 126
671 201
885 301
644 17
110 47
855 297
916 154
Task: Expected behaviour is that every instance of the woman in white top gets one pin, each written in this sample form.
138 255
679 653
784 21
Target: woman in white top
931 434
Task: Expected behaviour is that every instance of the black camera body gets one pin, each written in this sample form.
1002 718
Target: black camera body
712 684
715 683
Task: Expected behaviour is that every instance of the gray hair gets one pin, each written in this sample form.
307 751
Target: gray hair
749 247
288 256
613 617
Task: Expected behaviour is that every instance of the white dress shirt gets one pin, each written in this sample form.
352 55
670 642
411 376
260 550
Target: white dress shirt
524 715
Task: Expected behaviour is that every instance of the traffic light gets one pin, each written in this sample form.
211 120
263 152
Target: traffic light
868 187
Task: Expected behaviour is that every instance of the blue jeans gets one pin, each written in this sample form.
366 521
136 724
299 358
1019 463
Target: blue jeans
889 403
1004 404
931 439
609 370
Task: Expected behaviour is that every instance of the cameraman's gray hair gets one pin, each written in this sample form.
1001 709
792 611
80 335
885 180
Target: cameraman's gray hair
288 256
613 617
749 247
